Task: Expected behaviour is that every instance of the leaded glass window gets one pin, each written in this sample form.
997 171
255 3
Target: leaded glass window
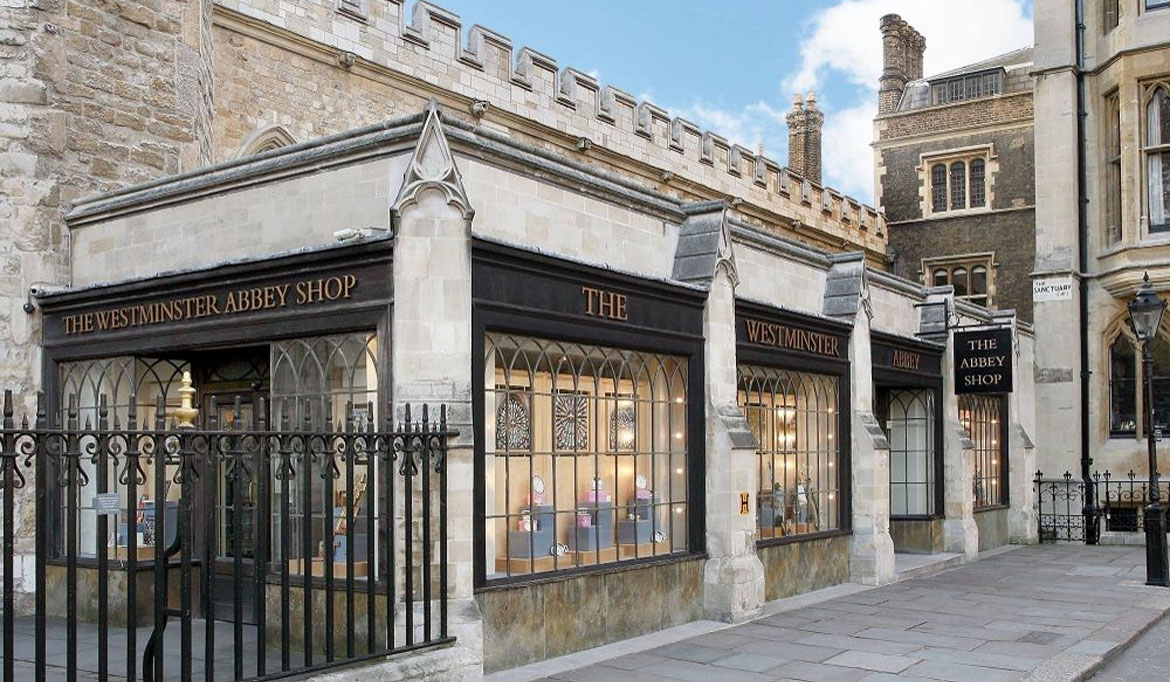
1157 153
958 186
794 417
978 188
938 187
1123 388
603 477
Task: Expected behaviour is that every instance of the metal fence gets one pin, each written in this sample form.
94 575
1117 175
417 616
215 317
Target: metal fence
1117 504
275 551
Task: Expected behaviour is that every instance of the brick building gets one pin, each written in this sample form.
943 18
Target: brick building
954 171
684 380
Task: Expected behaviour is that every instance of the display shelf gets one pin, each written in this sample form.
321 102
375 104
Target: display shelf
361 569
640 550
538 565
590 557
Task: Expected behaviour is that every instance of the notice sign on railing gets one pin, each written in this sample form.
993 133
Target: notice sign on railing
983 361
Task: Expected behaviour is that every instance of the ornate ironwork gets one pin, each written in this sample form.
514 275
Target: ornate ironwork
265 560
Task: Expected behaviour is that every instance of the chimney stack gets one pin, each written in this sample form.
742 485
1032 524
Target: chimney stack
902 50
804 137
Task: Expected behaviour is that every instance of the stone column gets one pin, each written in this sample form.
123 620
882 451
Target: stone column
431 348
1021 454
872 549
733 577
960 534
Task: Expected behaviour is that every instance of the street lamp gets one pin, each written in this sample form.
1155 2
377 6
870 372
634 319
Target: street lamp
1145 314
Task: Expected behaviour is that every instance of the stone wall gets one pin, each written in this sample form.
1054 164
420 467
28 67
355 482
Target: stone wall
314 57
799 567
533 622
993 528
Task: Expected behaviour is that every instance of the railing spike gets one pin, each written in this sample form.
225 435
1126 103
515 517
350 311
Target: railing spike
7 407
284 415
261 415
160 412
212 416
71 424
40 409
349 426
370 416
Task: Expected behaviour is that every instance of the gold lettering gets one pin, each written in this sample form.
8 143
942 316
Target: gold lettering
604 303
782 336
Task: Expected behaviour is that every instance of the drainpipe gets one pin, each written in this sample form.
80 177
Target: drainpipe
1092 520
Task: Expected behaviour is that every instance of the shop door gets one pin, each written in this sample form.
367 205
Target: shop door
235 519
907 416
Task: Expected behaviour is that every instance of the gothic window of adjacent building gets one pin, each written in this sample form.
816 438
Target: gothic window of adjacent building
978 185
1111 8
265 140
1122 388
1157 153
969 86
958 184
1127 415
970 278
938 187
1113 170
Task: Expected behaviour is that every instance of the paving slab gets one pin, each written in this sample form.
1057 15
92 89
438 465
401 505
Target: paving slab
1040 613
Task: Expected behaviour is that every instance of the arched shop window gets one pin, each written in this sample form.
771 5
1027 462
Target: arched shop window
586 455
982 416
794 417
1126 388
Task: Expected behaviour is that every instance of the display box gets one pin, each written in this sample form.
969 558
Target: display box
538 542
635 532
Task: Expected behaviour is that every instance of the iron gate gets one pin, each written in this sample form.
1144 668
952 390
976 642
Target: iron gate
1116 504
330 544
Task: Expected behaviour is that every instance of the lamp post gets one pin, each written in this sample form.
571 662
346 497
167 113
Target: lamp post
1145 314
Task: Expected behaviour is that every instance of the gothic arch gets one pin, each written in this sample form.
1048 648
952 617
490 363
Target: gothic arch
264 140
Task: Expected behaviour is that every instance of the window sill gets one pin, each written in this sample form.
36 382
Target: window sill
807 537
958 213
990 508
569 573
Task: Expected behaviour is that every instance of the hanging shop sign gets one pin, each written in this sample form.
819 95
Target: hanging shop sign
983 361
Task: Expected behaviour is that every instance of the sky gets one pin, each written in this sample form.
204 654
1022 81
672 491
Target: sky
733 66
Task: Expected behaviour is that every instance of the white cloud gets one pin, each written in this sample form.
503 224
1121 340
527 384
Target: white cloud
754 124
843 42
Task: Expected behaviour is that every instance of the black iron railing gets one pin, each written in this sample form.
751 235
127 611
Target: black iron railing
1119 505
280 550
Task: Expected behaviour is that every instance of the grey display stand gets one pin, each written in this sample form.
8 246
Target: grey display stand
600 535
539 541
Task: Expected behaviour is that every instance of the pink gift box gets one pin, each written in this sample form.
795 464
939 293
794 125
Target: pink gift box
596 496
643 494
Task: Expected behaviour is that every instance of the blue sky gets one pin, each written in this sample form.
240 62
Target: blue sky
733 66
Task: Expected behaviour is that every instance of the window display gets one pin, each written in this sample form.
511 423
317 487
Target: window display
908 417
794 417
981 415
586 455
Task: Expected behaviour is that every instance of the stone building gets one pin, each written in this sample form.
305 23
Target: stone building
954 171
1122 179
683 378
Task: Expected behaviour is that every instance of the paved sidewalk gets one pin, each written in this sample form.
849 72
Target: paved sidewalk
1036 613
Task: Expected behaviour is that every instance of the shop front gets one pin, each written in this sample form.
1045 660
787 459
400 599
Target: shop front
588 453
908 382
228 419
793 375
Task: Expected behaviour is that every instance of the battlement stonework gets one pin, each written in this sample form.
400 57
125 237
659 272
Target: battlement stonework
278 65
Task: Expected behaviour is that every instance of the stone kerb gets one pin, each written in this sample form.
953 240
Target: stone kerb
525 82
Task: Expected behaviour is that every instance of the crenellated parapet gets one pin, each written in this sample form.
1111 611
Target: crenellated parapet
519 86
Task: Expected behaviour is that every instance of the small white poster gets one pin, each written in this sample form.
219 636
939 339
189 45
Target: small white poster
1052 289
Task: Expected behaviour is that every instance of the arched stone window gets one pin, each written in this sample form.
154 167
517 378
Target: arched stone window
1157 153
265 140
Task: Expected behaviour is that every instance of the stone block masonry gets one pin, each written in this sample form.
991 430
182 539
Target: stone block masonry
267 74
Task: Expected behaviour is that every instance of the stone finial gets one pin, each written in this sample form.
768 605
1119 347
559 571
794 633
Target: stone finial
797 102
811 99
432 166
